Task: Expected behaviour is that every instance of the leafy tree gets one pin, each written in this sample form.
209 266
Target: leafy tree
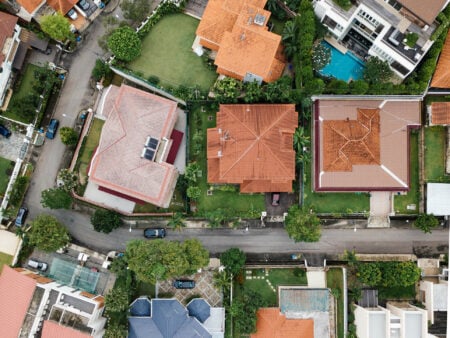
279 91
57 27
289 38
67 180
101 70
227 90
302 225
48 234
426 222
369 273
115 330
56 198
124 43
18 190
136 10
377 70
243 310
24 107
117 299
197 255
399 274
222 280
193 192
105 220
359 87
68 136
177 221
191 172
301 140
233 260
253 92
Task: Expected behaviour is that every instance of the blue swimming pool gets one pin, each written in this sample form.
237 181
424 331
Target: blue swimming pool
345 67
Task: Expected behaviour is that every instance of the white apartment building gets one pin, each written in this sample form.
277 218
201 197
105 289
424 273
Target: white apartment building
381 27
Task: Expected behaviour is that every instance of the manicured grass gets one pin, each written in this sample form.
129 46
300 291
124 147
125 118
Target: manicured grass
240 205
335 281
400 292
176 204
90 144
413 196
145 289
5 165
435 138
5 259
167 53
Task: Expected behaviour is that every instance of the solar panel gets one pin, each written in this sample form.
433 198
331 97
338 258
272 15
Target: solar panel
149 154
151 142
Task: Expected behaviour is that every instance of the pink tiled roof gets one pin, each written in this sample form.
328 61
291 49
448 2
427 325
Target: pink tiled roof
7 25
16 292
131 116
54 330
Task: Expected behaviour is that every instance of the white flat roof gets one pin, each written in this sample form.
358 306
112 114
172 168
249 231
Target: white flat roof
438 195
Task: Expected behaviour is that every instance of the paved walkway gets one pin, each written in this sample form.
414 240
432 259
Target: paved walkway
10 147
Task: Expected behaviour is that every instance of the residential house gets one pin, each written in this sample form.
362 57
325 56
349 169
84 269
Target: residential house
135 157
167 318
396 320
9 45
396 31
361 144
33 305
252 145
439 113
433 295
438 195
237 30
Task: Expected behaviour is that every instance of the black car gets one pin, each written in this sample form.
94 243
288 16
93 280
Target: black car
155 233
183 284
5 131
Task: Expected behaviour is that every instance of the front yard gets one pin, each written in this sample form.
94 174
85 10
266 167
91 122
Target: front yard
167 53
6 168
5 259
203 116
435 139
335 280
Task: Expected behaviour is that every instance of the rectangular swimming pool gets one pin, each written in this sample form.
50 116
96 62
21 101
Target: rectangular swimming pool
345 67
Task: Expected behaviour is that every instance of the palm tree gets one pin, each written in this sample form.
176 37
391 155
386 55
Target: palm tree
221 280
177 221
300 139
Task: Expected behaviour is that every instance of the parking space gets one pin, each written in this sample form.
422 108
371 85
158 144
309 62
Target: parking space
204 288
284 202
10 147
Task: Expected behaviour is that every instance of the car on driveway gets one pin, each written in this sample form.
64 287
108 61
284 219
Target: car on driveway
5 131
21 216
183 284
83 4
37 265
155 233
52 128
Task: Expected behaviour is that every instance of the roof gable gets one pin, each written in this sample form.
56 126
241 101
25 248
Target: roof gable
30 5
426 10
61 6
7 24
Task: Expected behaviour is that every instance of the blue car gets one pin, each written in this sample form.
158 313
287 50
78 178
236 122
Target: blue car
5 131
52 127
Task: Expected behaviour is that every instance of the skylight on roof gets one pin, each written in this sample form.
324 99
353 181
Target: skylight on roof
259 19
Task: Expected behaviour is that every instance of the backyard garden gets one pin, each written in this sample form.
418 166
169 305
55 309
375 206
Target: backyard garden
435 148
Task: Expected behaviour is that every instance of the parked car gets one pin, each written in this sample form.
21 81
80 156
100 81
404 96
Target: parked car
155 233
21 216
110 256
183 284
72 14
83 4
52 128
275 199
37 265
5 131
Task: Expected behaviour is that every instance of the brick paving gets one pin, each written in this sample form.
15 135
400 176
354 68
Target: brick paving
204 288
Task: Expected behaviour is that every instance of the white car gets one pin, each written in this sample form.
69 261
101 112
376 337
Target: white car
110 257
72 14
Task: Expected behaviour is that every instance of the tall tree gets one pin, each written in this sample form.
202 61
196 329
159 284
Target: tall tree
136 10
426 222
56 198
233 260
117 299
124 43
196 254
48 234
68 136
302 225
105 220
57 27
377 70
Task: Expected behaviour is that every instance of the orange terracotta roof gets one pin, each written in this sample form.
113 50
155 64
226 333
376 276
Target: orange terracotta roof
30 5
7 25
352 142
16 293
54 330
271 323
252 145
62 6
441 77
132 115
425 10
440 113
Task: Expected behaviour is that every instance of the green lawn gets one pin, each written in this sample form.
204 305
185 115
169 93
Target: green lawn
90 143
5 259
413 196
167 53
435 138
5 167
242 205
400 292
176 204
335 281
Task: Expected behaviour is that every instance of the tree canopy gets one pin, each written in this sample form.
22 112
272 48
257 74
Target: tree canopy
302 225
57 27
243 310
68 136
136 10
105 220
56 198
426 222
48 234
233 260
388 274
124 43
377 70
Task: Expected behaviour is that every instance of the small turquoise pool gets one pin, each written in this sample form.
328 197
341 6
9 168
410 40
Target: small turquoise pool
345 67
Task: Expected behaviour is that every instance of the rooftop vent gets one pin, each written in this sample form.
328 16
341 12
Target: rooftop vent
259 19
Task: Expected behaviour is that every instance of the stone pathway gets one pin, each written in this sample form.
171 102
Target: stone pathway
248 275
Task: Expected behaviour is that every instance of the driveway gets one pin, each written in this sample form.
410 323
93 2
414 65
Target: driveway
10 147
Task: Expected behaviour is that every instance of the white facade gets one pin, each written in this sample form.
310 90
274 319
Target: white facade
9 49
397 320
375 28
434 296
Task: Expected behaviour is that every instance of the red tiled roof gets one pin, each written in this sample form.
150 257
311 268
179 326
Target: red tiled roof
363 145
16 293
30 5
7 25
132 115
440 113
252 145
62 6
53 330
441 76
271 323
